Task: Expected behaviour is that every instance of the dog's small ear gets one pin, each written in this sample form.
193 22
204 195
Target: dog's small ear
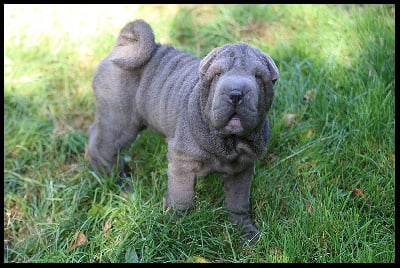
207 60
272 67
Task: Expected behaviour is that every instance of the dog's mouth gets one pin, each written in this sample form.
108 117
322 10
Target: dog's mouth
234 124
234 121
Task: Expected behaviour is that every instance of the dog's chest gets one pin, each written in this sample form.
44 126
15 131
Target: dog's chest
236 164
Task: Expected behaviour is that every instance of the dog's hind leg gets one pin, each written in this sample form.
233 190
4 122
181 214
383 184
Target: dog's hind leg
105 141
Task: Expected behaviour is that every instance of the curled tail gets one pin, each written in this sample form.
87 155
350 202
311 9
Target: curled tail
134 46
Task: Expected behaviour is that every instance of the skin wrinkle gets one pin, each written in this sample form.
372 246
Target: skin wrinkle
186 99
183 81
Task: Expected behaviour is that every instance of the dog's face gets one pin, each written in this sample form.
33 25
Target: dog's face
239 81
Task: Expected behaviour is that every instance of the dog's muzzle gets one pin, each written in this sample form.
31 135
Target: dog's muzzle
234 105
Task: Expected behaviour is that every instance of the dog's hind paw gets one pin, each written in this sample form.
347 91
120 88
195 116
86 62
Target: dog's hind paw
125 183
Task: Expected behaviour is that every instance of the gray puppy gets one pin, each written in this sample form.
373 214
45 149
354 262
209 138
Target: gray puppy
212 112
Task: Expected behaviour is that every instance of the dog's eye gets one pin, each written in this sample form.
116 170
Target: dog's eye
260 81
216 76
259 74
259 78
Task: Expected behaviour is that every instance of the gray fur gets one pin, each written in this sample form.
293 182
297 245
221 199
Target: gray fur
191 102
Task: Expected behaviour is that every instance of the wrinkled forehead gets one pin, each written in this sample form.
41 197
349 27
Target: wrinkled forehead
240 56
234 50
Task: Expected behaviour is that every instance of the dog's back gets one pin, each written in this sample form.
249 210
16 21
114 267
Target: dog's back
161 98
135 58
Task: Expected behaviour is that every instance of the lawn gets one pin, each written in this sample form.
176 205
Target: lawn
323 192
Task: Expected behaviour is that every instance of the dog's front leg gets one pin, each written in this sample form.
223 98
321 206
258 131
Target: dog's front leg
181 177
237 202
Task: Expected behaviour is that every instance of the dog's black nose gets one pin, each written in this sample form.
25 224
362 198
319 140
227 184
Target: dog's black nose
235 97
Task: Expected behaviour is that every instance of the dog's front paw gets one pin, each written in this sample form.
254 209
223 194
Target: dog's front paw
177 209
250 235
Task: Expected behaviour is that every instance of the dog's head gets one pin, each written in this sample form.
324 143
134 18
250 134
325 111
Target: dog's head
237 87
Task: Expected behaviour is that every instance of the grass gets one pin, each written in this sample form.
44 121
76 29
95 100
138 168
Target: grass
323 192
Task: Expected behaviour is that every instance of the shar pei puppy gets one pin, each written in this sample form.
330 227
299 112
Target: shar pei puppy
211 111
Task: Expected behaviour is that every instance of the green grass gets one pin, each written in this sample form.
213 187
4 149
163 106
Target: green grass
341 139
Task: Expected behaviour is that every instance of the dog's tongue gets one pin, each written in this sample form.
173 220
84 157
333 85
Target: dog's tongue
234 122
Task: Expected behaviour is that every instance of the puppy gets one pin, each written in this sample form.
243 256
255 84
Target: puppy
211 111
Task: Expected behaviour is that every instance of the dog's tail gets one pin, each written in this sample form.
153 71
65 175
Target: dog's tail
134 46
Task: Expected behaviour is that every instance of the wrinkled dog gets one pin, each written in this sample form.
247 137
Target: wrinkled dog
212 112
